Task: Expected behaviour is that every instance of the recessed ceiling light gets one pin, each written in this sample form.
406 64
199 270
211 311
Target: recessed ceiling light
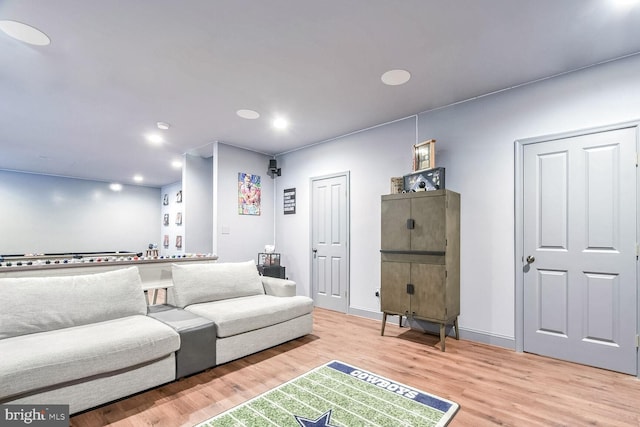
163 125
280 123
248 114
138 178
395 77
625 3
154 138
24 33
176 164
114 186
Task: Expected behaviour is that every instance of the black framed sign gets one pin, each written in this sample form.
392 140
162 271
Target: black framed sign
289 201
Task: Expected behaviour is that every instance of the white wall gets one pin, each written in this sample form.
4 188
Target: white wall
240 237
197 183
475 143
371 157
48 214
171 230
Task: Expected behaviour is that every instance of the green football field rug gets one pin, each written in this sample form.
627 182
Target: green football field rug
337 394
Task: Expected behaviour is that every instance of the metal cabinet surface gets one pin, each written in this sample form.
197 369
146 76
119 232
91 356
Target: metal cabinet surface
420 257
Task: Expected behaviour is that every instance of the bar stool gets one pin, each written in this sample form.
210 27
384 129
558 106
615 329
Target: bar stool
152 252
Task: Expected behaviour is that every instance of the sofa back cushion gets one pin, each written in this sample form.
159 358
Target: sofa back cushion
195 283
37 304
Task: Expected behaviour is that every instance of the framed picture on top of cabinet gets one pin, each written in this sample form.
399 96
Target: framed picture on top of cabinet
426 180
424 155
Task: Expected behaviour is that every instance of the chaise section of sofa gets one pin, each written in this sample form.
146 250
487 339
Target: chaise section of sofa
81 340
251 312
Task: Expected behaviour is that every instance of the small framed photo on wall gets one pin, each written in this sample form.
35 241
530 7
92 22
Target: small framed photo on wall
424 155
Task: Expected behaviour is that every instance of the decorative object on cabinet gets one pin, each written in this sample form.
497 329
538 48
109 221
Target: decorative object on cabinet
269 265
420 258
397 184
268 258
426 180
179 218
424 155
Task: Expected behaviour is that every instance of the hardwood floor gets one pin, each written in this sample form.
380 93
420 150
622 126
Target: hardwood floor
494 386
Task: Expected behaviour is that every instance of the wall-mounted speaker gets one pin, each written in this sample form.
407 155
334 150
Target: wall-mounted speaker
273 170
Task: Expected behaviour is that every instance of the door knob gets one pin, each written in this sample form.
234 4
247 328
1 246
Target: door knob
531 259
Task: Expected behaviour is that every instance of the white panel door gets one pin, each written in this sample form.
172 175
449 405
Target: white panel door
580 285
330 234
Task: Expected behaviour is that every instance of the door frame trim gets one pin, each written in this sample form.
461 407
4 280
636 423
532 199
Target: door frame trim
519 220
347 175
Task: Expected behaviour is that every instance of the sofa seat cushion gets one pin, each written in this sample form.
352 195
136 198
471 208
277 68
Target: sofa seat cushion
35 361
238 315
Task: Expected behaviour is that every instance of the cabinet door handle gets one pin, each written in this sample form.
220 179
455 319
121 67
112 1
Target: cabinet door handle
410 289
411 224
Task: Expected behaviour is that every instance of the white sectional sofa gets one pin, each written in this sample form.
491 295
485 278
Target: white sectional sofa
251 312
89 339
80 340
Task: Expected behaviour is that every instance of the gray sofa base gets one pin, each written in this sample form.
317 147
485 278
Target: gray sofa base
105 388
237 346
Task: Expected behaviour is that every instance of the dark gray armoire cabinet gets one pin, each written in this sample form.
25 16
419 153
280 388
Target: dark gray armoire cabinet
420 257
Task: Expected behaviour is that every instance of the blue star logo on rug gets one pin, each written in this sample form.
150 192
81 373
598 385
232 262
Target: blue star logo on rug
323 421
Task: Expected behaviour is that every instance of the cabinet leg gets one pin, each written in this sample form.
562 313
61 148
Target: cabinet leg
400 320
384 322
455 324
442 335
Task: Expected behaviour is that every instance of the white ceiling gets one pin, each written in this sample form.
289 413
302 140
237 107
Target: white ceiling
81 107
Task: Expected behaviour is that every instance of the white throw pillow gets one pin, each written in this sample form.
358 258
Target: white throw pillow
195 283
38 304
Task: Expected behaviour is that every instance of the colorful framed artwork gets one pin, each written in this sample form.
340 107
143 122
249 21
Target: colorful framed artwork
249 191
